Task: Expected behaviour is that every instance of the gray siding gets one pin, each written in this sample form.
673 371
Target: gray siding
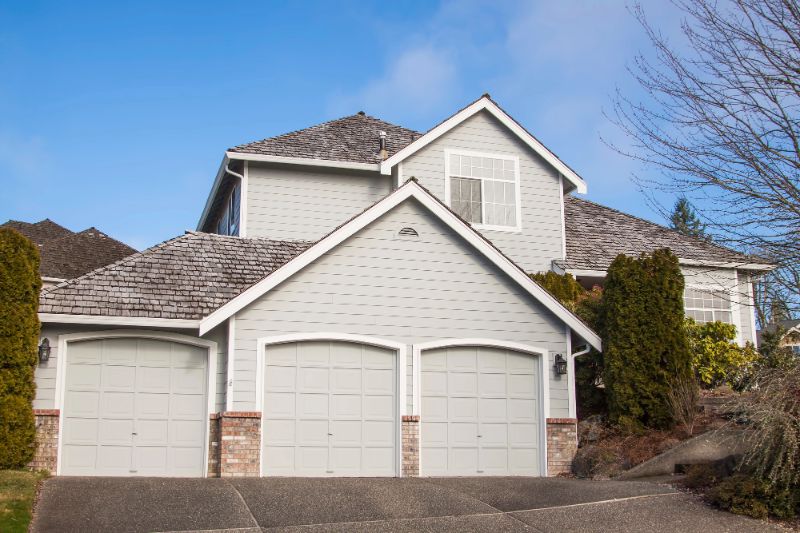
289 204
540 240
408 291
46 373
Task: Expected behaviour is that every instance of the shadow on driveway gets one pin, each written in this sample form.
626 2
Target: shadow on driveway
363 504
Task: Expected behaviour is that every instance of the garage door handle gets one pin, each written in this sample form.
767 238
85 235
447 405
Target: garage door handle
134 433
330 434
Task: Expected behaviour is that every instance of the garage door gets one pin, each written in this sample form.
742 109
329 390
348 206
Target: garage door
134 407
479 412
329 410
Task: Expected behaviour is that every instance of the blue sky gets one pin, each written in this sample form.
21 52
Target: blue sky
117 115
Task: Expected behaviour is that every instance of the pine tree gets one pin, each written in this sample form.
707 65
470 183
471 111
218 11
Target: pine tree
684 220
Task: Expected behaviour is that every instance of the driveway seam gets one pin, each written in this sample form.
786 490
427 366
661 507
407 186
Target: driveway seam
613 500
244 502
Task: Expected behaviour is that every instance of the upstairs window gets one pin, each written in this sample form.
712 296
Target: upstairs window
228 223
707 306
483 189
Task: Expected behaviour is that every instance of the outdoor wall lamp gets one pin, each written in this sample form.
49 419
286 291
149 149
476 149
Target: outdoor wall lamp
44 350
561 364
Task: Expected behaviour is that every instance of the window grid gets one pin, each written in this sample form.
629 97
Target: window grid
707 306
488 181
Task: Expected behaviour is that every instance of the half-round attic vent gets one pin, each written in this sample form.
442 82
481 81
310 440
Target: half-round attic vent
408 233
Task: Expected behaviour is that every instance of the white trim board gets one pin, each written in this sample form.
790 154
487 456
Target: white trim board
485 103
176 323
410 190
401 368
61 373
544 374
371 167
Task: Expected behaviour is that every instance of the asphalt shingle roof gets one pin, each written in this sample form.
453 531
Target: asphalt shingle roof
596 234
65 254
353 139
187 277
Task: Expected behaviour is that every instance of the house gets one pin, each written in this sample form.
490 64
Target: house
65 254
355 302
791 335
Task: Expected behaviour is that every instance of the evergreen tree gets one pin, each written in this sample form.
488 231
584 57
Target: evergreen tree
684 220
646 349
19 334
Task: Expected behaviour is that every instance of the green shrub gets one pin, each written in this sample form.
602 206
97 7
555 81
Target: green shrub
646 348
754 497
716 357
19 334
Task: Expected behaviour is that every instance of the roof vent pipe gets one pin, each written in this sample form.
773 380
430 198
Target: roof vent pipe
384 154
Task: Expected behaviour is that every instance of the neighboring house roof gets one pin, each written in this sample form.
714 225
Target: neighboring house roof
353 139
186 278
65 254
596 234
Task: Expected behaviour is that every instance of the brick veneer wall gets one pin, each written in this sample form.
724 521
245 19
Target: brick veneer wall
214 444
240 444
410 439
46 455
562 445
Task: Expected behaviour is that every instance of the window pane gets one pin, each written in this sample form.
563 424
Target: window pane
476 213
510 193
475 196
723 316
511 216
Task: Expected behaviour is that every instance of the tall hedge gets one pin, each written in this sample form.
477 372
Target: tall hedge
19 333
645 344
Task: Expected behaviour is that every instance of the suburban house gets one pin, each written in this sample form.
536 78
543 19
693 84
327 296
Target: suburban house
791 335
355 302
66 254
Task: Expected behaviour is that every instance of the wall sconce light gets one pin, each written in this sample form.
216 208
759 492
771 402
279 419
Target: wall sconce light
561 364
44 350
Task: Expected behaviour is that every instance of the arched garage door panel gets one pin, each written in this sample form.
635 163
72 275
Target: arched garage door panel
329 409
134 407
480 412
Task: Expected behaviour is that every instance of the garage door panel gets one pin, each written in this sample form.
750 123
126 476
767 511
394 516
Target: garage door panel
433 461
338 418
435 408
279 404
346 380
138 413
493 409
346 406
462 409
524 461
494 461
522 410
463 434
86 352
492 362
81 404
492 385
436 361
462 359
379 407
462 384
462 461
435 433
182 461
312 379
279 378
115 432
188 381
118 378
494 434
523 434
522 386
433 383
83 377
282 354
522 364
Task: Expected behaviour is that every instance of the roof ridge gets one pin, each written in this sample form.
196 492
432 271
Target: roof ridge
109 266
265 239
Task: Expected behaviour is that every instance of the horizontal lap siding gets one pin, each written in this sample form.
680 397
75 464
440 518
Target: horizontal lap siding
46 373
407 291
295 205
540 240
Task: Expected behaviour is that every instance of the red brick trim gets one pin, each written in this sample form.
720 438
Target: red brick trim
215 416
241 414
562 420
410 418
47 412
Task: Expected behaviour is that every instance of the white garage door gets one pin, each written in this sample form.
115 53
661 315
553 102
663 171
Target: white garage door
329 410
134 407
479 413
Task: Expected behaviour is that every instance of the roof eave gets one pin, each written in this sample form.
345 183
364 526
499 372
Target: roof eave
98 320
303 161
213 193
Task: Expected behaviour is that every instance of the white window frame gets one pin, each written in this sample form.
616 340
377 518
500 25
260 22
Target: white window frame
447 176
729 296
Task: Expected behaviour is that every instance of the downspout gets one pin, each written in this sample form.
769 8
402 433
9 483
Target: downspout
232 173
586 350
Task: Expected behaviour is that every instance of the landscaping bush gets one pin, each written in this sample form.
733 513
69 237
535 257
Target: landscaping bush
646 349
755 497
19 334
705 475
716 357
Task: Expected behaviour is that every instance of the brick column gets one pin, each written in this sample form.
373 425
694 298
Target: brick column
562 445
214 438
46 455
240 444
410 440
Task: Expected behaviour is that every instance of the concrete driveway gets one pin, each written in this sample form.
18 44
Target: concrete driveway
361 504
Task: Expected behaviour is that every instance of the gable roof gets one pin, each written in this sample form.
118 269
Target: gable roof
65 254
353 139
409 190
485 103
596 234
184 278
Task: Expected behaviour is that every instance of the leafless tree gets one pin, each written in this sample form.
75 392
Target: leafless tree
719 123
